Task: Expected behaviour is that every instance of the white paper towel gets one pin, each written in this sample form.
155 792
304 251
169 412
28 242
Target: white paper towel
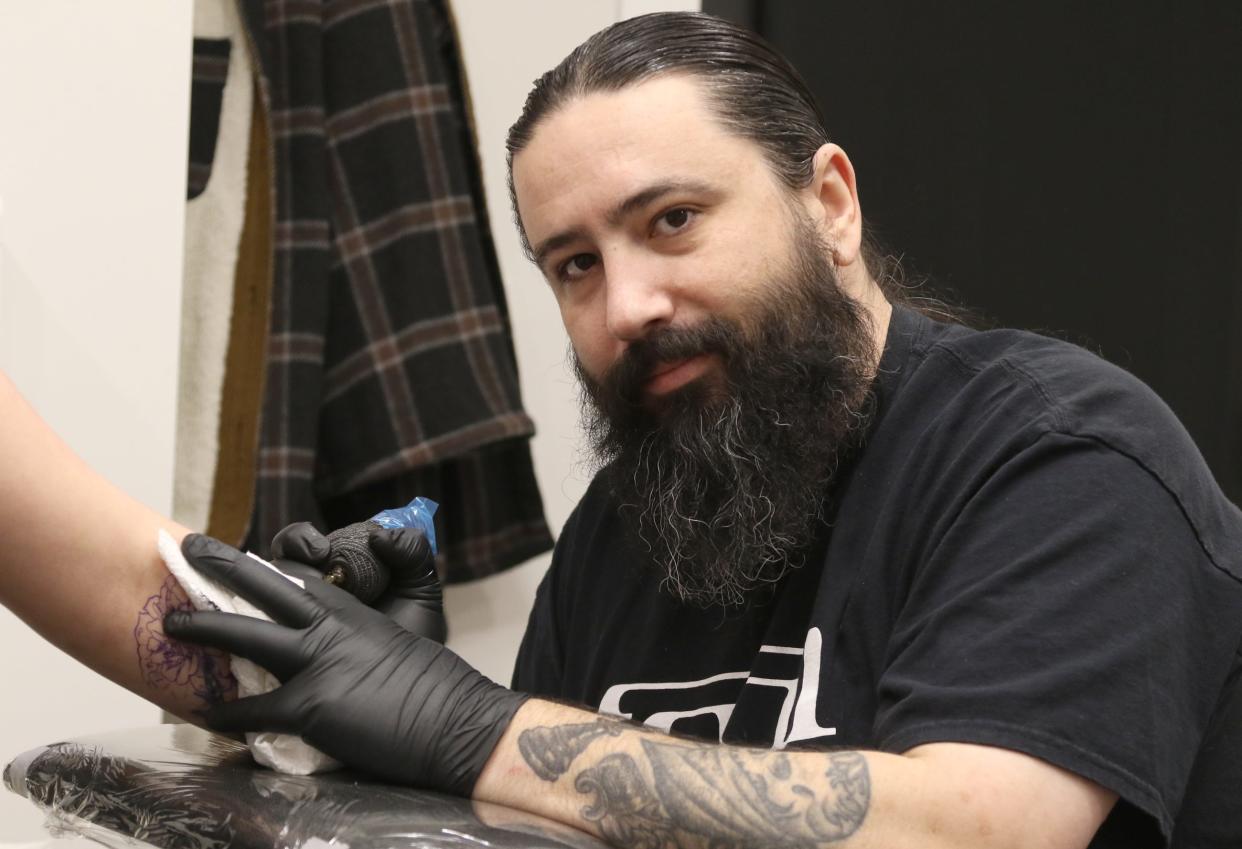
282 752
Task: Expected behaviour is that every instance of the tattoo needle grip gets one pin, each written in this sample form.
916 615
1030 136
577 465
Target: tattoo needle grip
354 567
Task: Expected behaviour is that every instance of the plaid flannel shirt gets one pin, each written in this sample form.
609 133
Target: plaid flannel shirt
391 371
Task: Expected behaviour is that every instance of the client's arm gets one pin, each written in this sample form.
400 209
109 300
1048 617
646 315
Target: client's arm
78 562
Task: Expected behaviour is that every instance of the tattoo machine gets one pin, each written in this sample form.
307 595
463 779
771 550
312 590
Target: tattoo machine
352 565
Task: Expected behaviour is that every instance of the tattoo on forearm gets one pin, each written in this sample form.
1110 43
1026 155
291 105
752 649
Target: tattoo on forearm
550 751
717 796
167 663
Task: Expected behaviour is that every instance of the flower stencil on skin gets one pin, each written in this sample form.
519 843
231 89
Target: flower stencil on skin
167 663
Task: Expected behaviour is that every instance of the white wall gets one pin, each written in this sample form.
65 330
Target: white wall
93 132
506 47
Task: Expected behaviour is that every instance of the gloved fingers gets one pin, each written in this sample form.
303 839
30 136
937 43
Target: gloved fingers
302 542
298 569
406 552
421 618
275 595
265 712
274 647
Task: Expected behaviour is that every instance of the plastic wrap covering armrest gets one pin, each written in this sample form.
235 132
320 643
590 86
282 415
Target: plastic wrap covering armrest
179 787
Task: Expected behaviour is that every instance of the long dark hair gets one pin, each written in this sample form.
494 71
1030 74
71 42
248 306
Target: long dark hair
754 91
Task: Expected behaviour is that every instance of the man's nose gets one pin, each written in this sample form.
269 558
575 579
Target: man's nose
640 299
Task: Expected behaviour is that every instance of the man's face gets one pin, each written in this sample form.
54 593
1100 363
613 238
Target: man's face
724 372
645 214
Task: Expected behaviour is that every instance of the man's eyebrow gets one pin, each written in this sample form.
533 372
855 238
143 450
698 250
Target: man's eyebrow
638 200
653 193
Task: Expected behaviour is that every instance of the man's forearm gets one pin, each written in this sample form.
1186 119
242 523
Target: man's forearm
636 787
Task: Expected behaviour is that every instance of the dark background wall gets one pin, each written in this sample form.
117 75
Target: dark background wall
1070 167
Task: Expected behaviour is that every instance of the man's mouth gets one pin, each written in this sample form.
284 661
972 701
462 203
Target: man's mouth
670 376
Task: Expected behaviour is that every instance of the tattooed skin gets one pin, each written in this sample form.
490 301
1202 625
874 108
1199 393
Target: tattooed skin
168 664
704 795
550 751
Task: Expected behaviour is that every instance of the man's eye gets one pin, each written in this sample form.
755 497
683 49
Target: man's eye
577 266
674 220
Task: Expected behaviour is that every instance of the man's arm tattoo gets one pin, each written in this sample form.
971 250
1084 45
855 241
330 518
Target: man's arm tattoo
168 664
716 795
549 751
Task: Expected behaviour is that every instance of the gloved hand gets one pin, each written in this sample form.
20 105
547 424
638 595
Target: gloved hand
355 684
412 599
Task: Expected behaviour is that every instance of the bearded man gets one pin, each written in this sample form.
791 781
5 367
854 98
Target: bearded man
891 581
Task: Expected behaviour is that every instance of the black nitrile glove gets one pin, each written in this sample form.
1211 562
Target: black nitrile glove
412 598
355 684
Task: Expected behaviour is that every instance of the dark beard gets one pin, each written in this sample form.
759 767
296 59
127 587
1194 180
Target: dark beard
726 484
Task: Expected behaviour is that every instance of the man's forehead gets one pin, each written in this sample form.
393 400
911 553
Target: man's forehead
604 146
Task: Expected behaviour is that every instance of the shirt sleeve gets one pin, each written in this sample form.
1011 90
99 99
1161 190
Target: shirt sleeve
540 666
1071 613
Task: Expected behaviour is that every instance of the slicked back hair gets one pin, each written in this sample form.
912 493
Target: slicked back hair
754 91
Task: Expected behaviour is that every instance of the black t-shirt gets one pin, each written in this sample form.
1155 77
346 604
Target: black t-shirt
1028 553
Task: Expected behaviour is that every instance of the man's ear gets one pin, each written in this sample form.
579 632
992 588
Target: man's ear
832 199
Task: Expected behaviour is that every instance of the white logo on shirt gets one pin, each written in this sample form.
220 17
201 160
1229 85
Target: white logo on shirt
795 723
